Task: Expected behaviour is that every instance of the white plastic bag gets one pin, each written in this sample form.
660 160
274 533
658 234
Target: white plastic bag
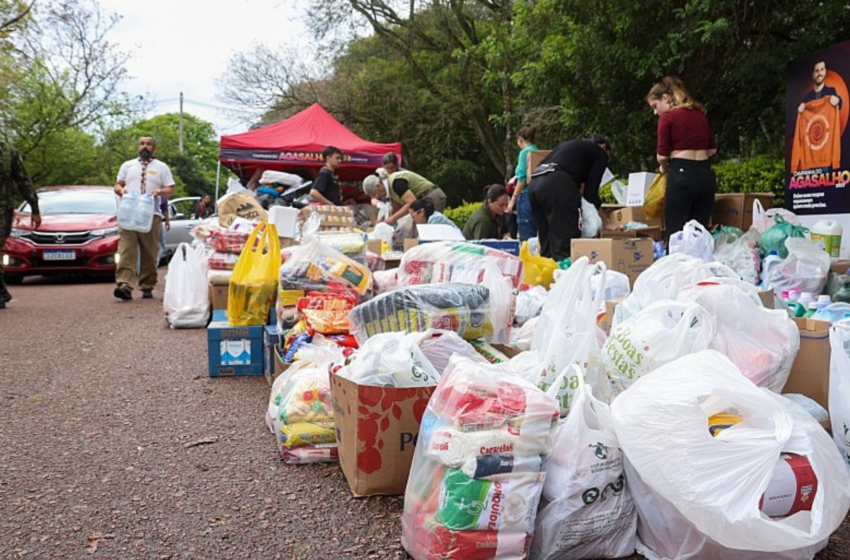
186 301
761 342
591 222
693 240
664 278
566 330
806 268
587 509
713 485
658 334
762 219
740 254
839 386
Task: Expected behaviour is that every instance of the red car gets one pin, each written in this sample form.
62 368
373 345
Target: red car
78 234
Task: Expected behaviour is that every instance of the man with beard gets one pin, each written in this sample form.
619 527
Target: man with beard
142 175
820 89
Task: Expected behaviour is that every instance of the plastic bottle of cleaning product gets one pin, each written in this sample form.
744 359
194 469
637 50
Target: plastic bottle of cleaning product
795 309
806 298
811 309
770 262
826 234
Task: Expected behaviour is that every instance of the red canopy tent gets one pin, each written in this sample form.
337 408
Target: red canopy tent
297 143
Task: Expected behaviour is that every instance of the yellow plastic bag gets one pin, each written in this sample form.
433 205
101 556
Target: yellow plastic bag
254 283
539 271
653 204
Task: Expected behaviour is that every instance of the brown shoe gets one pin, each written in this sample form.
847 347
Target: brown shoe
123 293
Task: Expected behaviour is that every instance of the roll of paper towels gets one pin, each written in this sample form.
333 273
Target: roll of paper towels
285 220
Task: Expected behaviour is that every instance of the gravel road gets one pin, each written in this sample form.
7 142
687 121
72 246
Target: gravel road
116 444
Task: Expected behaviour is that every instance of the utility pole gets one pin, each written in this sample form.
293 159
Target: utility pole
181 124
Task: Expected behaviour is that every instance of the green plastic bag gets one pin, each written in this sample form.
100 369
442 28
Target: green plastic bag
737 232
773 238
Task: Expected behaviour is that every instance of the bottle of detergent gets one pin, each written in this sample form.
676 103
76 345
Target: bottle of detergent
826 234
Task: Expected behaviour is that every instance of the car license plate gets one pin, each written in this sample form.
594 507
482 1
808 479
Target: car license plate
60 255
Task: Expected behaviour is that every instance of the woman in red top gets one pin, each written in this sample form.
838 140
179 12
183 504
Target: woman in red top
685 142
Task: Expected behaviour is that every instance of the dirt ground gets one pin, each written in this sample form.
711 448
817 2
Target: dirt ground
116 444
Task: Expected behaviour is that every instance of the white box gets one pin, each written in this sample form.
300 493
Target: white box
638 185
438 232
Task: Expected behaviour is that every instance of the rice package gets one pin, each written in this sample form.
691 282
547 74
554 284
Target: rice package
477 471
449 261
462 308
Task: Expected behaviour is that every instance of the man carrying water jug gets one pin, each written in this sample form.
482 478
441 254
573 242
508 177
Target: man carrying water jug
143 175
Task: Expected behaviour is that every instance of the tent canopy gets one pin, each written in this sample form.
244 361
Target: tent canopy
296 144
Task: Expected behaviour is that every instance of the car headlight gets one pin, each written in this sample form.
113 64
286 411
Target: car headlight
105 232
17 232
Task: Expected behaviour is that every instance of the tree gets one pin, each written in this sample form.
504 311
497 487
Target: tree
63 80
194 171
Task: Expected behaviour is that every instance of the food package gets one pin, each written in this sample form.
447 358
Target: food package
227 240
327 312
449 261
483 442
462 308
314 266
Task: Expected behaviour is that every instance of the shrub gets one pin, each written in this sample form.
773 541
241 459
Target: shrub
754 175
461 214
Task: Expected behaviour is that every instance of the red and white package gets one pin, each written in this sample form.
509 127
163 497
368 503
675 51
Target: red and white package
792 487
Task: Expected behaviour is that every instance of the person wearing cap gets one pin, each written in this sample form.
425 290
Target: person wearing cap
403 188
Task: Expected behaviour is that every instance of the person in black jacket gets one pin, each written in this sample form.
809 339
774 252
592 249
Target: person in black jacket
573 168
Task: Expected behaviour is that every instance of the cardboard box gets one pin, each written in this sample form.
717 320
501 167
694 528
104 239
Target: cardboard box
810 372
629 256
736 209
510 246
218 296
375 246
638 186
839 266
377 429
615 216
534 158
767 299
233 351
278 366
410 243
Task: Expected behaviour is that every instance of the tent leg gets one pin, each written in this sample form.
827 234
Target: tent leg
217 180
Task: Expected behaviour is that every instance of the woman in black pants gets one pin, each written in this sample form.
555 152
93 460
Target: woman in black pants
685 142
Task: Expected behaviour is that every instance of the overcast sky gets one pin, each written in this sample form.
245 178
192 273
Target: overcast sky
184 46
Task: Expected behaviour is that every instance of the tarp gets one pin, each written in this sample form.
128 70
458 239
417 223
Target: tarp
296 143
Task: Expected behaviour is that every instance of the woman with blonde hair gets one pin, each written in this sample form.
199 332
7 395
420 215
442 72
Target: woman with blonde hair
685 142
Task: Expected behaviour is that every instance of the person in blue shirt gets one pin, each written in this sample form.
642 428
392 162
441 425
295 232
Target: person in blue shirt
526 226
422 211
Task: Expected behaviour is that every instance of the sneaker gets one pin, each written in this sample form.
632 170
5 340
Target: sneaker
147 294
7 297
123 293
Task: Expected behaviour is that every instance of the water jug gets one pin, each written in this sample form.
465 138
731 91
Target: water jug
135 212
826 234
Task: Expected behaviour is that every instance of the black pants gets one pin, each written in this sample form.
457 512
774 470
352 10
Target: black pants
556 205
690 194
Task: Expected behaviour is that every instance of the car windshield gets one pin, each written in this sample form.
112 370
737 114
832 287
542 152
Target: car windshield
75 201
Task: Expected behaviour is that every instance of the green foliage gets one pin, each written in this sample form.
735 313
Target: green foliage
757 175
460 214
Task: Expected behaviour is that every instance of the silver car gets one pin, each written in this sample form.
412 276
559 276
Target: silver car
181 212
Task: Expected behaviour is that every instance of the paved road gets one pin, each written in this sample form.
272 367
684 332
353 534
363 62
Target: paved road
100 406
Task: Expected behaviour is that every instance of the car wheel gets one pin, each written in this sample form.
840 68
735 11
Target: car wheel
13 279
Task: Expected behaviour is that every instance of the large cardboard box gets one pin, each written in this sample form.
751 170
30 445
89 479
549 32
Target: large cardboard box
736 209
232 350
534 158
649 232
629 256
810 372
377 429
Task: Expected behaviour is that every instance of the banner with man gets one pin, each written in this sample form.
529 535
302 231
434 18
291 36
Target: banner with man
817 154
